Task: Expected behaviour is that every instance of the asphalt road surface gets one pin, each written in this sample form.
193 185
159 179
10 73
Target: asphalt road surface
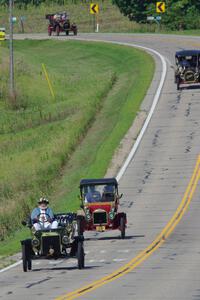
153 186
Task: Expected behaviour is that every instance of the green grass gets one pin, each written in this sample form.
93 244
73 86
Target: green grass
48 145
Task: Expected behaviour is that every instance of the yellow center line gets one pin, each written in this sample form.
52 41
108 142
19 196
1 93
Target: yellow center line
144 254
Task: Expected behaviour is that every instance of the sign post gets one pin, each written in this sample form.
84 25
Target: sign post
12 93
94 10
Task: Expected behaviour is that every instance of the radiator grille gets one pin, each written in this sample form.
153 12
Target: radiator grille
52 242
100 217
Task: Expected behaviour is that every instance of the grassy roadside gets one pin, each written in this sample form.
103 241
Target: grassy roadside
99 86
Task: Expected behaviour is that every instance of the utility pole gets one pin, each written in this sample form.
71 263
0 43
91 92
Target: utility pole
12 92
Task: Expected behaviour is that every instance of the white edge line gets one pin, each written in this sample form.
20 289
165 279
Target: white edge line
11 266
146 123
155 100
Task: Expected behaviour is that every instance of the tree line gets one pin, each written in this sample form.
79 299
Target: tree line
179 14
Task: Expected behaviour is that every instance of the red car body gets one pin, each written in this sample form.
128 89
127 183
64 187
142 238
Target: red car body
101 208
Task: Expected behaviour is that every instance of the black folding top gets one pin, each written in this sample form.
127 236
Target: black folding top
187 52
99 181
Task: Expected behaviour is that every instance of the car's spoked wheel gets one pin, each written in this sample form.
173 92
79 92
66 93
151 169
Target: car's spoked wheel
57 30
29 264
123 227
80 225
80 256
26 258
178 83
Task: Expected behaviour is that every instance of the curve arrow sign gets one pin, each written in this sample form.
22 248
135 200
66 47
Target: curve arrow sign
160 7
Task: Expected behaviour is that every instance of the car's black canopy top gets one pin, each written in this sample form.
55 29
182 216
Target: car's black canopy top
99 181
187 53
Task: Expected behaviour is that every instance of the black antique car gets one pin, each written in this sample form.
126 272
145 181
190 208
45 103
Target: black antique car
100 203
187 69
54 243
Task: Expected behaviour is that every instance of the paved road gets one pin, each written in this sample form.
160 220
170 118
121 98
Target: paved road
153 187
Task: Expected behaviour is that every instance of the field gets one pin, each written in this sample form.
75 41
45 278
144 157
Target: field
47 145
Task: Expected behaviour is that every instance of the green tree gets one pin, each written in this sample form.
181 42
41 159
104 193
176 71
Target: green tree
180 14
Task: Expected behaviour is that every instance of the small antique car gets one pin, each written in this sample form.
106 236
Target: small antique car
100 201
2 34
187 67
54 243
60 22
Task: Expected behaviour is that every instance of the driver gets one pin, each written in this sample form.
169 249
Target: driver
42 216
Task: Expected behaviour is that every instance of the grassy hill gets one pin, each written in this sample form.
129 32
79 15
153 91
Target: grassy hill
47 145
110 18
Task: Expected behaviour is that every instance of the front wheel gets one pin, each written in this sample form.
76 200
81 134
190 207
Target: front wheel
80 225
26 259
80 256
122 227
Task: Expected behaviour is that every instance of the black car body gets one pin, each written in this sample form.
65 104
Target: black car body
187 69
54 243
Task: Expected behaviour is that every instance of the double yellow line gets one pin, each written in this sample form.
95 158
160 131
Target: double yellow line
143 255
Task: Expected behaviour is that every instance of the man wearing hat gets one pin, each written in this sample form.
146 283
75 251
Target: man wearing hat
42 216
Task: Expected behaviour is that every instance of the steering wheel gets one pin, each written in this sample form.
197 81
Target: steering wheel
45 219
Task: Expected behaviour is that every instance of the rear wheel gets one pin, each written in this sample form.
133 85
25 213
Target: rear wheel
57 30
178 83
67 32
80 256
123 227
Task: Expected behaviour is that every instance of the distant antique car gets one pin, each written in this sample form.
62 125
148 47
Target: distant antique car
60 22
54 243
100 201
187 67
2 34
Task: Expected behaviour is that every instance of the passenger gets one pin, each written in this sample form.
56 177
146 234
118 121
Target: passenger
42 216
108 193
92 195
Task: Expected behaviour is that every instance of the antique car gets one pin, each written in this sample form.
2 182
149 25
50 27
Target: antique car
60 22
2 34
62 242
100 201
187 69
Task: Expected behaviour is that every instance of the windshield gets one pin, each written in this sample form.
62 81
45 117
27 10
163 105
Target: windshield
188 61
98 193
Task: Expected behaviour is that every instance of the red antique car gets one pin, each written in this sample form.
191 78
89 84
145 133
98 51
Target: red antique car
100 201
60 22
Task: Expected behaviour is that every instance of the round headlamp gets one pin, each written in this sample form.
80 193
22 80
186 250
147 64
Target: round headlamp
65 239
88 215
35 242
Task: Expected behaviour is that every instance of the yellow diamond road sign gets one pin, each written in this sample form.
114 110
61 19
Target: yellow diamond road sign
94 8
160 7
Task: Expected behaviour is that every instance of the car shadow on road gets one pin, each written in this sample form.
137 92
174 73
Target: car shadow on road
108 238
190 87
63 268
